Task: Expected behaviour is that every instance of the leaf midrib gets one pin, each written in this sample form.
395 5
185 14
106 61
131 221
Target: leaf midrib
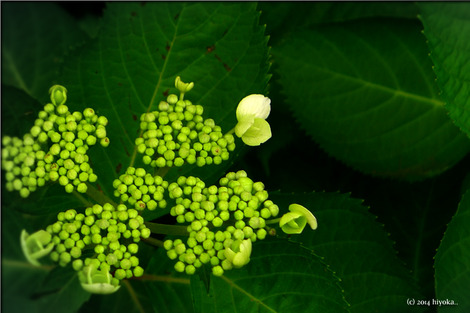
235 286
157 87
385 89
14 71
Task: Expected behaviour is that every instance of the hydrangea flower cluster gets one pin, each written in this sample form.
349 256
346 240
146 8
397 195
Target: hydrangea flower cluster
101 242
223 221
177 133
55 149
110 235
141 190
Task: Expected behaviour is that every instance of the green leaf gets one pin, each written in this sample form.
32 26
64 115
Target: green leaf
19 110
169 290
130 298
365 92
278 15
452 261
358 249
61 291
281 277
22 278
447 27
35 38
50 199
132 65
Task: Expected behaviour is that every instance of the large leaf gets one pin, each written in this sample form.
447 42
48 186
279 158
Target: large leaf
141 48
452 261
281 277
279 22
34 288
365 92
61 292
20 279
358 249
169 290
35 38
19 110
447 27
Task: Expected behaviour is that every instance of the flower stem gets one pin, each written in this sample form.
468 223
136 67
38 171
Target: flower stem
274 221
167 229
98 196
153 242
230 131
162 171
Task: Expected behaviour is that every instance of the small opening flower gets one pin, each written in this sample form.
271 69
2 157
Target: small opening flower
252 126
294 222
58 94
239 253
97 281
36 246
182 86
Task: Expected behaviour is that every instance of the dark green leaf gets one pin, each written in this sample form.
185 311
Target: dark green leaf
19 110
130 298
358 249
281 277
50 199
35 37
61 291
279 22
365 92
169 291
452 261
447 27
20 279
140 50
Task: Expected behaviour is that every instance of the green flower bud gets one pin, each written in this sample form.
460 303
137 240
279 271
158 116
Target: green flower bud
91 140
190 269
104 142
77 265
102 120
61 109
89 113
138 271
217 270
179 266
294 221
58 94
100 132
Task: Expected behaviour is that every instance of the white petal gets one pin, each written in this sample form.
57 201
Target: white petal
257 105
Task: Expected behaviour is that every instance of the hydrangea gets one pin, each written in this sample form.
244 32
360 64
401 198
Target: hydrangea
252 126
295 221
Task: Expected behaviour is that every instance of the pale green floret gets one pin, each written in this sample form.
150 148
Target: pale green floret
36 245
294 221
252 126
97 281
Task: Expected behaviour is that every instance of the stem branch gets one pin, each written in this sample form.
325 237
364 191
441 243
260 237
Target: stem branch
98 196
167 229
274 221
153 242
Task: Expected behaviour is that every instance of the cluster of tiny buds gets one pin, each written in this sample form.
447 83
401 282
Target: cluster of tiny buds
108 234
220 221
177 133
140 189
55 149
